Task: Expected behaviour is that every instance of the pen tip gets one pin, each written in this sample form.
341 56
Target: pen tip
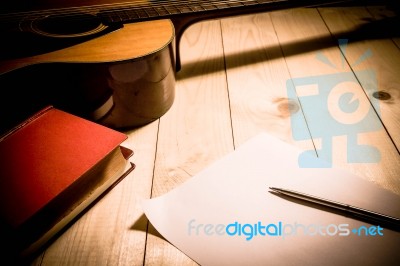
273 188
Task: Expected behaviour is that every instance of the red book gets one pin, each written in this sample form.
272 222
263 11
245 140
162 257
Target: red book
52 167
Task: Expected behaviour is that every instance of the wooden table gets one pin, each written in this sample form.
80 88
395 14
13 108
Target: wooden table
233 85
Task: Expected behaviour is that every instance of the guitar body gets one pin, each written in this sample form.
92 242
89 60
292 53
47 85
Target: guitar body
115 63
124 78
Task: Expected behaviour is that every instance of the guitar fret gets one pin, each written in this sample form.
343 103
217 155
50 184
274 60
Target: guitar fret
267 1
250 3
125 15
151 12
197 8
185 9
161 11
209 7
142 13
129 14
194 6
113 17
235 4
172 10
222 5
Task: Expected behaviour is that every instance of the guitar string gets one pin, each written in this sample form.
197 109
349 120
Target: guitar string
141 8
136 6
179 7
176 7
141 5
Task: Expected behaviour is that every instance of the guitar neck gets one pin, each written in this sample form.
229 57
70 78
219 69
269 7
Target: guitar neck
180 12
196 10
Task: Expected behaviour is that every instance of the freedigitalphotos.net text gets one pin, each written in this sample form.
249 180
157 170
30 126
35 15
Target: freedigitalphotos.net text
279 229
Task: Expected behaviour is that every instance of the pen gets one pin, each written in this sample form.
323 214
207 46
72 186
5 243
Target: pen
354 211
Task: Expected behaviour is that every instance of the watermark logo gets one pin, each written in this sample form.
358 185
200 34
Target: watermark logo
279 229
336 105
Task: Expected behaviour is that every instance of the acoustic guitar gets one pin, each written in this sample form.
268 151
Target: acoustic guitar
111 63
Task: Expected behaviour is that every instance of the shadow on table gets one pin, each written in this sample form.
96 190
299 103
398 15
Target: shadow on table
385 28
144 225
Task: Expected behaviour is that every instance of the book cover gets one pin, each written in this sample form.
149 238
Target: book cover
53 166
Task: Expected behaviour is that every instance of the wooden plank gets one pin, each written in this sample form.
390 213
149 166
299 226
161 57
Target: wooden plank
196 130
313 57
113 231
383 59
257 80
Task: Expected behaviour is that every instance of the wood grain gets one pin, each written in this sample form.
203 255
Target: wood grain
257 80
299 24
384 60
196 131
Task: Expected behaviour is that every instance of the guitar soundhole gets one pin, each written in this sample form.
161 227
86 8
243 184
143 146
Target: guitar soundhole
65 26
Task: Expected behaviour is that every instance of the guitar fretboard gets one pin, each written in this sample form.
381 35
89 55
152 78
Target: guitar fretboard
141 10
171 9
174 8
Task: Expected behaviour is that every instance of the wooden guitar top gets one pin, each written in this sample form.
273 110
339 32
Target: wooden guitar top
132 41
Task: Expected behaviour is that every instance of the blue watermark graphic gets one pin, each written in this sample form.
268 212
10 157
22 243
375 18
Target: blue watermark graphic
336 105
279 229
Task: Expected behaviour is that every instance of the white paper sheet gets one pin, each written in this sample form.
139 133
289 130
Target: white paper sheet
200 216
